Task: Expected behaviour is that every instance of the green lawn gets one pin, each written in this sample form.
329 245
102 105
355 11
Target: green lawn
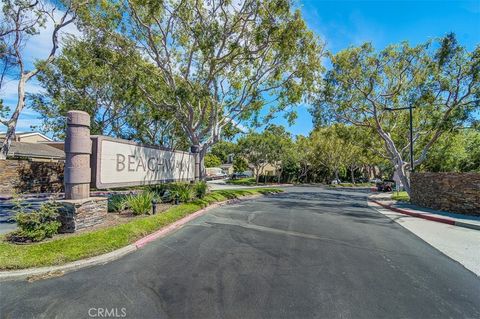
401 196
249 181
75 247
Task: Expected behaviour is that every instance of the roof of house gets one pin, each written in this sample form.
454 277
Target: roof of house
34 150
25 134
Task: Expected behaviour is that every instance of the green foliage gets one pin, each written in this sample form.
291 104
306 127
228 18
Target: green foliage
223 149
105 77
36 225
201 189
440 79
141 203
19 204
248 181
159 189
184 192
116 203
456 151
471 162
239 164
330 151
211 160
401 196
214 54
268 147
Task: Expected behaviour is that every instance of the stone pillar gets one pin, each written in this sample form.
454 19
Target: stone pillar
79 211
78 148
195 149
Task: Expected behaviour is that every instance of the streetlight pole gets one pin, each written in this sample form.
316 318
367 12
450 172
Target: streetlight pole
412 168
410 108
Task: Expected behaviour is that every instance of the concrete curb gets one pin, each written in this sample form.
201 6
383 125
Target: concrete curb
52 271
62 269
427 217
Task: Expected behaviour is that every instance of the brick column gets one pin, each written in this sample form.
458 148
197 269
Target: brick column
78 148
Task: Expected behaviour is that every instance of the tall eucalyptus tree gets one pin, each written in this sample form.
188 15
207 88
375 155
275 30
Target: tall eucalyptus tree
439 79
223 61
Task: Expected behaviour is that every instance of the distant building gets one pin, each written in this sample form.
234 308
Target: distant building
34 146
268 169
29 137
227 168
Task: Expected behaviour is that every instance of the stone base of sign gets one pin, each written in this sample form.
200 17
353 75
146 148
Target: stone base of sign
82 213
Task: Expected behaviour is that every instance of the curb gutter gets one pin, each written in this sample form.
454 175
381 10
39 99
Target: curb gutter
53 271
428 217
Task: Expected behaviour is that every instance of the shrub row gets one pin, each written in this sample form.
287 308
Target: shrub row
36 225
142 203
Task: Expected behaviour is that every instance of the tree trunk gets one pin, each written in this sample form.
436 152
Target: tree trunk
257 175
352 172
12 123
400 169
336 174
6 143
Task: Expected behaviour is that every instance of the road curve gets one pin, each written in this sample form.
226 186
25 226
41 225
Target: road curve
307 253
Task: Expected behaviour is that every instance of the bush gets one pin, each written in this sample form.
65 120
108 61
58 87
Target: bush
141 203
240 164
211 160
37 225
201 189
116 203
183 191
159 189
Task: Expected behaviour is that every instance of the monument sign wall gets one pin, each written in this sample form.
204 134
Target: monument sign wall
119 163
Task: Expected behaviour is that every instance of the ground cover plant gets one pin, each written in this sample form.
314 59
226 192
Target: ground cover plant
140 204
401 196
36 225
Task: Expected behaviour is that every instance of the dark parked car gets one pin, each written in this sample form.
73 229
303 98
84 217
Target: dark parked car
361 180
387 185
239 175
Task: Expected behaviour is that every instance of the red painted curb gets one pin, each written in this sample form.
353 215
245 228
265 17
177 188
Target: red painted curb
163 231
406 212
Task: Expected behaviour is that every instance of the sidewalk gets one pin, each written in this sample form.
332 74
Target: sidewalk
459 243
384 199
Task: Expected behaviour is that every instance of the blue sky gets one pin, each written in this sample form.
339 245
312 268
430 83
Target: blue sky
349 23
342 24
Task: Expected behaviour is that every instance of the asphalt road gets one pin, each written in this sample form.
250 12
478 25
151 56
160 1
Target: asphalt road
307 253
